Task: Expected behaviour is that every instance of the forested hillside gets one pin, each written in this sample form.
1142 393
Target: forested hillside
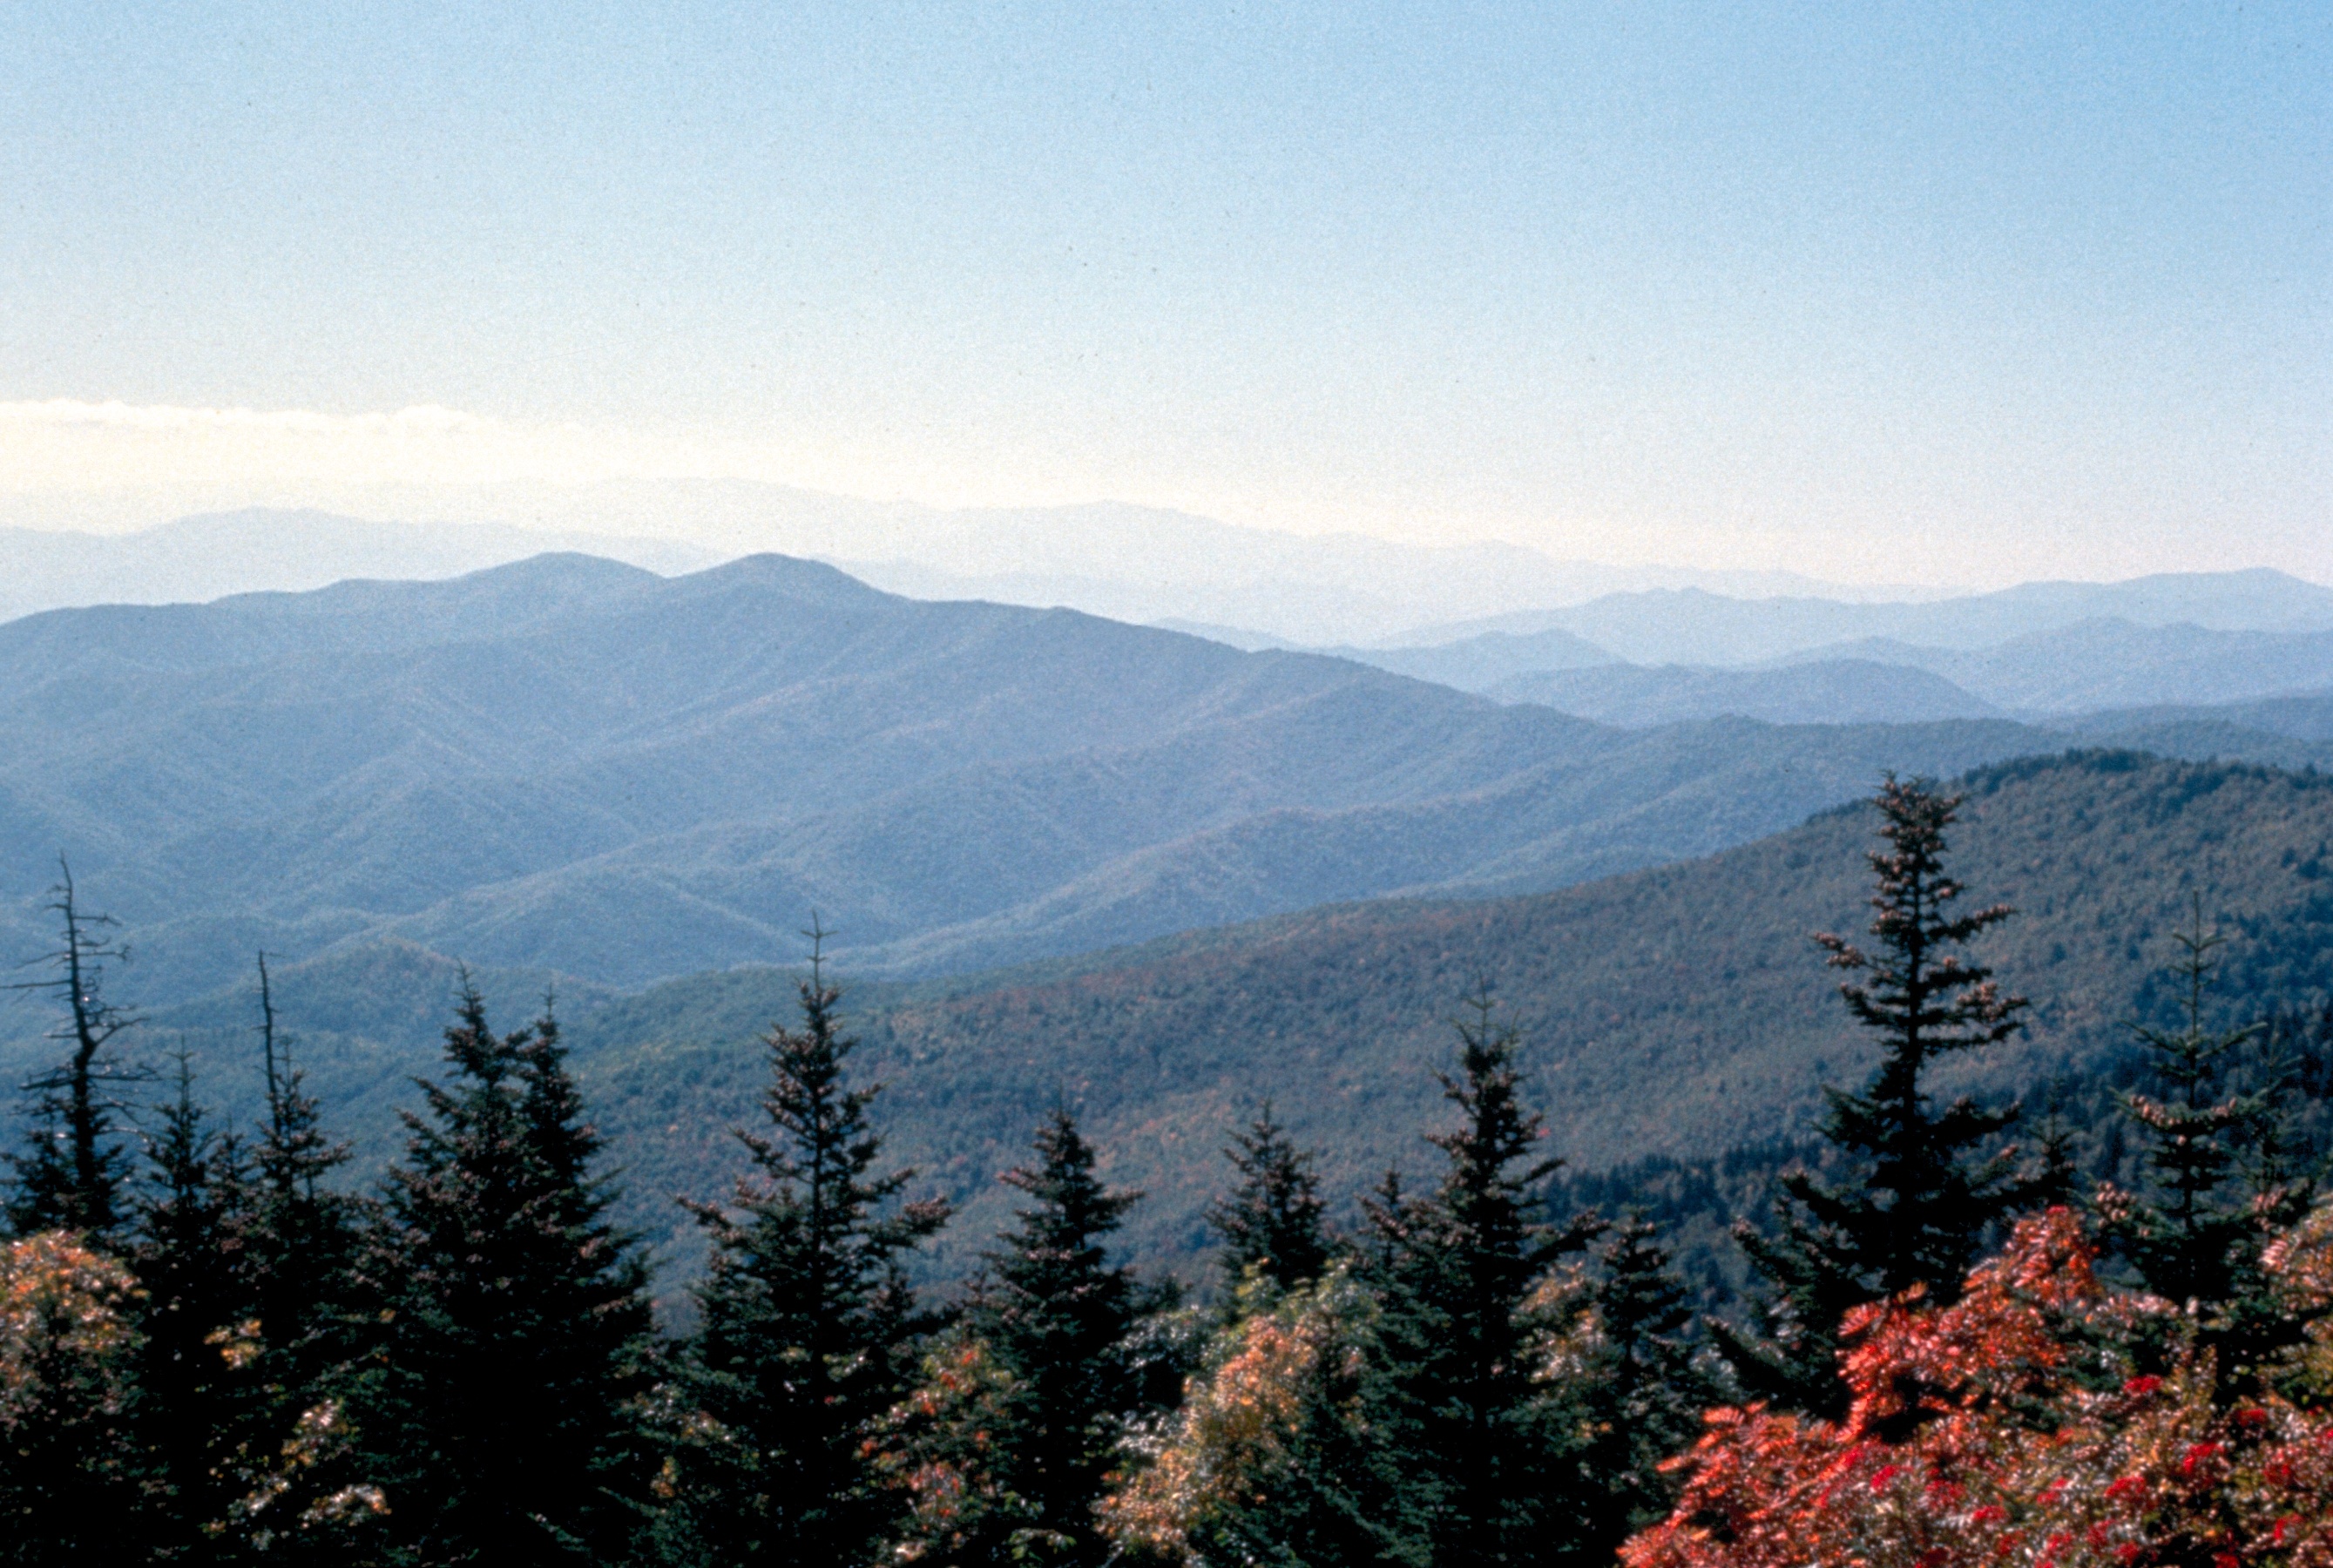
1674 1011
249 1343
1677 1010
577 766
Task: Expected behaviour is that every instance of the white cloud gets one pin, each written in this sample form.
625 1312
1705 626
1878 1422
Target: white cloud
68 444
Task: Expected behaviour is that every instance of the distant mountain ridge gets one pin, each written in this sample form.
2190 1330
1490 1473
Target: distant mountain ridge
1694 626
195 559
1675 1010
1127 563
1825 691
572 765
2111 663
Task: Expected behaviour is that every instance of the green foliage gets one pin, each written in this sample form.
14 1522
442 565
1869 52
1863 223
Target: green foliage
496 1408
302 1238
1924 1194
2215 1187
1271 1222
200 1407
1044 1379
1639 1380
1486 1448
807 1327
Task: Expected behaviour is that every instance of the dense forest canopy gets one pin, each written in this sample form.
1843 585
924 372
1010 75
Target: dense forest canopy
224 1345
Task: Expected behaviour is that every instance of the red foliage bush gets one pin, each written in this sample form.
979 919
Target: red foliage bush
2014 1427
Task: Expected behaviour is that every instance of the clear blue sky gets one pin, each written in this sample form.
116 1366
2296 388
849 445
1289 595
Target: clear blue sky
1948 292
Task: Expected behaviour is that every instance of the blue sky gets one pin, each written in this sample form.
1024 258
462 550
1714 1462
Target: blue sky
1959 292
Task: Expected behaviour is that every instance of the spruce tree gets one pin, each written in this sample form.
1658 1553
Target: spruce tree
1925 1197
516 1326
199 1406
75 1163
2215 1194
1050 1336
1485 1448
301 1234
1271 1222
807 1324
1643 1392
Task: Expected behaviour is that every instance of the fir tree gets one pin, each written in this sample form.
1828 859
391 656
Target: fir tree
72 1173
1271 1222
1482 1442
1042 1381
2217 1191
806 1324
498 1414
1925 1199
301 1234
1643 1391
198 1405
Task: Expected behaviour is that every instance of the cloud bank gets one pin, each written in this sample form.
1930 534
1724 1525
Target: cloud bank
64 443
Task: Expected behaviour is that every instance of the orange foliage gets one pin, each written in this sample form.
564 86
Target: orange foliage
64 1331
1232 1434
2010 1429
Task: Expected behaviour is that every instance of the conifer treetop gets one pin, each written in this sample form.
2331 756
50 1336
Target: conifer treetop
1917 989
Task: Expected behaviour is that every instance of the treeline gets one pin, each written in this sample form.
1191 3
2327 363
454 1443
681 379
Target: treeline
215 1352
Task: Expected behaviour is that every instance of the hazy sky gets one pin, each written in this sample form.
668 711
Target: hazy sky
1951 292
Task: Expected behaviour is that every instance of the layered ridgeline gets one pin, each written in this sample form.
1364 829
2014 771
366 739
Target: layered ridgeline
2041 651
580 767
1677 1010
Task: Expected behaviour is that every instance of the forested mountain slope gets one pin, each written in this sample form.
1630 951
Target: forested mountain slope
1821 691
576 766
1677 1010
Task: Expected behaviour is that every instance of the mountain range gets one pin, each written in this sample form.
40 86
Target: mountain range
577 766
1676 1010
2040 652
1136 563
194 559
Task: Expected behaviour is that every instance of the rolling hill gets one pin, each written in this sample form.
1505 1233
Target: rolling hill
1691 625
571 765
1676 1010
1827 691
2110 663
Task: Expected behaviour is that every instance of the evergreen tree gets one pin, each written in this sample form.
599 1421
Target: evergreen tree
806 1325
1039 1386
2216 1188
1925 1199
74 1165
1271 1222
300 1237
199 1406
1645 1394
498 1414
1485 1447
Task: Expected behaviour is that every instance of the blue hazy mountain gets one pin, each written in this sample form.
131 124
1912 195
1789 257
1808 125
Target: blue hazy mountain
1692 626
571 765
1825 691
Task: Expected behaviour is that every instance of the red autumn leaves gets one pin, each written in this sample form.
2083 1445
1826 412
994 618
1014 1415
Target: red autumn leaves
2019 1427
